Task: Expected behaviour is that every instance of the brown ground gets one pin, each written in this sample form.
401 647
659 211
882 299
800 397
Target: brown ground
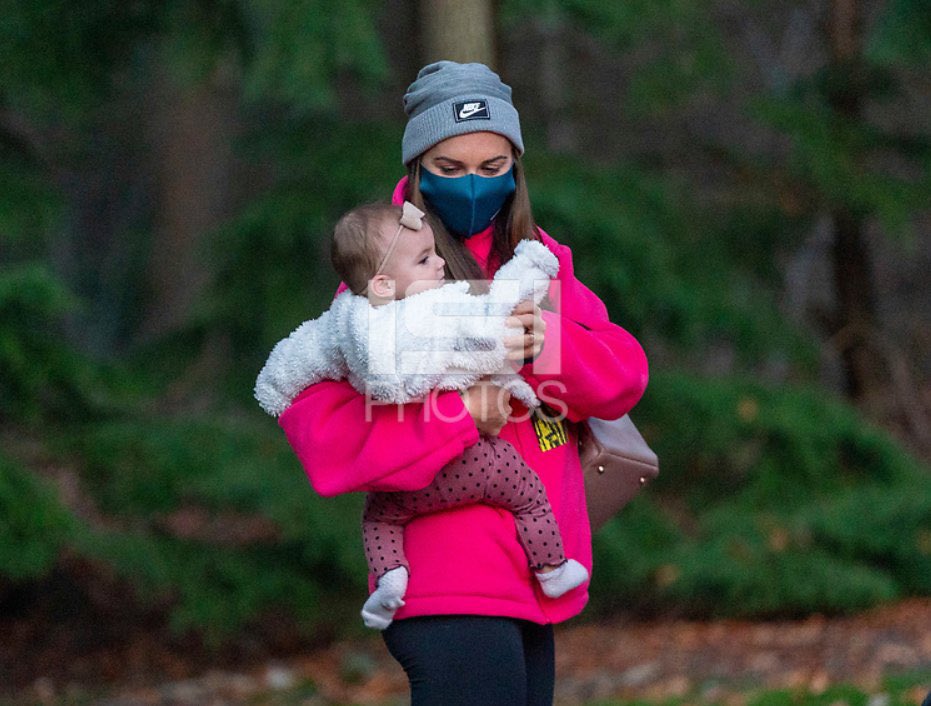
714 661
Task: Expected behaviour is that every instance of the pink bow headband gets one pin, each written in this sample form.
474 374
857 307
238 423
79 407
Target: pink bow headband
412 219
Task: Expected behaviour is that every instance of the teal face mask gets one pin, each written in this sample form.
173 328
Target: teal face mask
466 204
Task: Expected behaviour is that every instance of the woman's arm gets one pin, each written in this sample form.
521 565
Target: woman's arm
588 366
347 443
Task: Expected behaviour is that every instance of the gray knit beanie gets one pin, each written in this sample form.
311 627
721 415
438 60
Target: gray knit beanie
449 99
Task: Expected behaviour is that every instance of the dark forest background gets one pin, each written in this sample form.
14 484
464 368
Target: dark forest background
745 184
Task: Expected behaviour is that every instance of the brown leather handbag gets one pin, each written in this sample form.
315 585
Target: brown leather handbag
616 462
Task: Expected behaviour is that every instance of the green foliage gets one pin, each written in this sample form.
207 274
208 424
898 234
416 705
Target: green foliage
196 37
215 590
885 526
33 525
300 52
273 260
680 49
770 502
738 434
831 154
294 54
895 691
28 205
60 55
666 269
841 156
40 372
902 35
56 56
213 516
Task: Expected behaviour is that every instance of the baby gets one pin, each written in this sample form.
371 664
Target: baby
388 335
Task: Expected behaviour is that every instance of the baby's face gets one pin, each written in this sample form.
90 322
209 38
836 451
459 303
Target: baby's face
414 264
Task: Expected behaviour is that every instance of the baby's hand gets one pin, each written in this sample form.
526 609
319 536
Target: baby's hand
528 343
489 405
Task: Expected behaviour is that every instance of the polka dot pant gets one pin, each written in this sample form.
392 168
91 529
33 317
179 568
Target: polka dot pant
490 472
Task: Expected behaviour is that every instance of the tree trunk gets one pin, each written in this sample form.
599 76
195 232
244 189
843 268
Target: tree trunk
194 131
856 307
853 276
460 30
553 81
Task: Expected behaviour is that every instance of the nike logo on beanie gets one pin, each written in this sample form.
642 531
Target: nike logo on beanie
471 110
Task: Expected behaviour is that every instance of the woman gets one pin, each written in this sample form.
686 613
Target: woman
475 627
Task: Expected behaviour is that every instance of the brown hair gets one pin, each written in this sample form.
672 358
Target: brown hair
513 223
356 250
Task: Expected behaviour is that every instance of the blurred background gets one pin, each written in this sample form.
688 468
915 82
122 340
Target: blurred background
745 184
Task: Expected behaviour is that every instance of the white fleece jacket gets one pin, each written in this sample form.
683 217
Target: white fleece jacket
443 338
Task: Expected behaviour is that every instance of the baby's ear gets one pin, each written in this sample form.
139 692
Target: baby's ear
382 286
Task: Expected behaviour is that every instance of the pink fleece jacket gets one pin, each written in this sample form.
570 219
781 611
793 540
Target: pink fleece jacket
468 561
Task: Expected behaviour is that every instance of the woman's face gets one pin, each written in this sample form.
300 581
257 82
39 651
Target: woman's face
486 154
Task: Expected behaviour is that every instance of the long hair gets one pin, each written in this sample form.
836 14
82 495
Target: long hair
513 223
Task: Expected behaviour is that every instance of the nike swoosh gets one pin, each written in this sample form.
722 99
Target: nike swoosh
469 112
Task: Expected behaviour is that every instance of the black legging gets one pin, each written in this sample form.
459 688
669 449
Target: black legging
468 660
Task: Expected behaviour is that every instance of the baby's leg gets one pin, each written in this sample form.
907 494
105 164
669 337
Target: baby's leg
383 535
513 485
383 523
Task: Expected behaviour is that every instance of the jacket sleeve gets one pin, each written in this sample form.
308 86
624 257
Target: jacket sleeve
347 443
589 367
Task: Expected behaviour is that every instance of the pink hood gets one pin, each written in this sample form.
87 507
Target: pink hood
469 561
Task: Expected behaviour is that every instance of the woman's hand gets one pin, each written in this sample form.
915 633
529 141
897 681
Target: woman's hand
489 406
527 345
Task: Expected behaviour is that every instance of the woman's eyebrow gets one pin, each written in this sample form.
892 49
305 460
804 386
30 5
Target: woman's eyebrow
499 158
